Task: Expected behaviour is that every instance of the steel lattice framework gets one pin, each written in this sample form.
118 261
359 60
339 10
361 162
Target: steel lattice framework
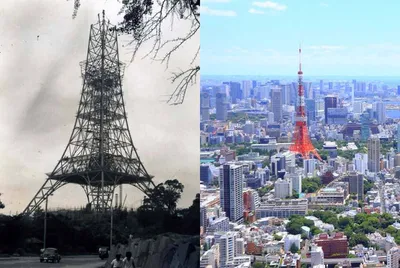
301 140
100 154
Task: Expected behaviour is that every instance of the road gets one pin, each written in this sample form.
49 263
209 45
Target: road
70 262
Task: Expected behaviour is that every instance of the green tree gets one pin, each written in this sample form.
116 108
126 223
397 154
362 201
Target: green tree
277 237
359 238
344 222
258 265
294 248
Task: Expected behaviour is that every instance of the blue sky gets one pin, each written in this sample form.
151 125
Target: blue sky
338 37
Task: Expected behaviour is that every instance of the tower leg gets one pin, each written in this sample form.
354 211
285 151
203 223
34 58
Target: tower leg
49 187
96 195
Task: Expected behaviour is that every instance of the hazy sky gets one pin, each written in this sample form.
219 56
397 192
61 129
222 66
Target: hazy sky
40 86
339 37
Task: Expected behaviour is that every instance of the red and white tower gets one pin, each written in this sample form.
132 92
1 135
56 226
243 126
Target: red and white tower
301 141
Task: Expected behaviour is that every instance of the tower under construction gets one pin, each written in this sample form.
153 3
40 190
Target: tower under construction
301 140
100 154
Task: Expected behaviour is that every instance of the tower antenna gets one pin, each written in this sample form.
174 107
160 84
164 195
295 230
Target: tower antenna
301 141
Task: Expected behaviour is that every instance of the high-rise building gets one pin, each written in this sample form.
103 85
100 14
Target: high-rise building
398 138
356 184
286 91
365 126
283 189
398 90
235 91
222 107
374 145
227 245
231 191
310 110
361 163
246 87
203 217
380 112
205 106
276 103
295 179
321 85
309 166
206 175
330 102
393 257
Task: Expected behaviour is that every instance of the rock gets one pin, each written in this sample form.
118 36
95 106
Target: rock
162 251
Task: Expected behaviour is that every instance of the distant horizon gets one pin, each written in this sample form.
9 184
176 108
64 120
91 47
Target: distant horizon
256 37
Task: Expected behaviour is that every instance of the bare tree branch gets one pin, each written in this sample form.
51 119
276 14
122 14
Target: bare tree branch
145 25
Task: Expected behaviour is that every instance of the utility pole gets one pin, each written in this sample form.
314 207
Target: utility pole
45 224
111 229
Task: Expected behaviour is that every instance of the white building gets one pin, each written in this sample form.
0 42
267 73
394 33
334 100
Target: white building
295 181
317 256
283 189
227 244
255 200
361 162
290 240
309 167
240 247
220 224
393 258
210 258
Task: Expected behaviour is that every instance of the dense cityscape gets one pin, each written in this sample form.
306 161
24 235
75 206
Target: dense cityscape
264 205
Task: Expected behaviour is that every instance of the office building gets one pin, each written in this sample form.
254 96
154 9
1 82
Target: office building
380 112
374 154
206 175
310 110
227 245
393 257
365 126
290 240
282 208
205 106
309 167
222 107
361 163
330 102
356 184
335 246
283 189
276 103
398 138
231 191
317 256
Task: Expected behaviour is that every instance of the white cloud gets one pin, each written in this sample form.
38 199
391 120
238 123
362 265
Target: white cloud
321 4
256 11
270 5
215 1
217 12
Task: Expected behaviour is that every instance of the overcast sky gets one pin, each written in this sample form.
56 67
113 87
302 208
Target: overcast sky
40 84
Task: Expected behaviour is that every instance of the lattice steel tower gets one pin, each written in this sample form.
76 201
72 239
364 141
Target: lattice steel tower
301 140
100 154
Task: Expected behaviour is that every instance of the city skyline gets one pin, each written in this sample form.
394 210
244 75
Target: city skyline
350 38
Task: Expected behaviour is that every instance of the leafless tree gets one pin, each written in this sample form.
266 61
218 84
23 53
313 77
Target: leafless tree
145 25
